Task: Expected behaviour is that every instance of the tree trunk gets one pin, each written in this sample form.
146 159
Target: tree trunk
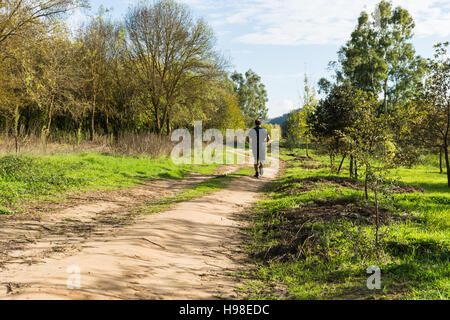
366 192
356 169
342 161
164 119
106 128
157 118
332 162
447 163
441 170
46 128
351 167
307 147
168 128
159 127
50 119
92 127
377 218
79 133
6 128
16 128
385 96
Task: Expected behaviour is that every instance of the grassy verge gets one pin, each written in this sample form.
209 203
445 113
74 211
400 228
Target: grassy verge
32 178
313 237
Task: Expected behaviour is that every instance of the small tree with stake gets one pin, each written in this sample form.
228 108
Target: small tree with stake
371 143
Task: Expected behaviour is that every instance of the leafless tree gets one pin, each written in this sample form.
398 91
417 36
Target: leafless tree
16 15
168 52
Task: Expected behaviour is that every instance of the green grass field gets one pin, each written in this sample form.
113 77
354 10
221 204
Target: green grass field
313 237
32 178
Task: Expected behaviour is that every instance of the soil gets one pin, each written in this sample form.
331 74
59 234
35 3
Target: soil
296 239
189 251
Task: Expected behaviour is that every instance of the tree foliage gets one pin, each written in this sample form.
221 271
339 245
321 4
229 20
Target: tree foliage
252 96
434 129
157 70
380 57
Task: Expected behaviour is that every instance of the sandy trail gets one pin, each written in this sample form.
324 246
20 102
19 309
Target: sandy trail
186 252
58 227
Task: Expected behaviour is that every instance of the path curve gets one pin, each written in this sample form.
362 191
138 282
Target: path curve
186 252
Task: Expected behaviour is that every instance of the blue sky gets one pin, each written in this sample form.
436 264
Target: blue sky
283 39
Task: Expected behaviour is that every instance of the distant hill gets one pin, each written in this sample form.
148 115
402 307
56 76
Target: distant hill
279 120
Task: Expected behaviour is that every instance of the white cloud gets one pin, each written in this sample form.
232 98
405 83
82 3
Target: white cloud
296 22
280 107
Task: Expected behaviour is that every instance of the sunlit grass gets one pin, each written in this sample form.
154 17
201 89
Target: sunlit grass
31 178
415 252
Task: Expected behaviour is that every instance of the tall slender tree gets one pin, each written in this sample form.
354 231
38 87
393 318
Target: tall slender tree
252 95
97 39
380 57
50 78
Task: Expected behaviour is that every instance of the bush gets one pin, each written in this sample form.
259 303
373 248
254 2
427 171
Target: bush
143 143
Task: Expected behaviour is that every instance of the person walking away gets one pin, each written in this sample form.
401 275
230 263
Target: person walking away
260 139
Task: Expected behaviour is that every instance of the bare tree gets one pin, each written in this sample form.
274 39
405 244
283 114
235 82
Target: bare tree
99 49
51 78
16 15
168 51
12 94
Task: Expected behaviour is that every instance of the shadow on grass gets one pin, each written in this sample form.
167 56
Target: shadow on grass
433 187
426 250
311 183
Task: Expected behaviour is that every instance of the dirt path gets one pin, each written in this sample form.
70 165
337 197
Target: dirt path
185 252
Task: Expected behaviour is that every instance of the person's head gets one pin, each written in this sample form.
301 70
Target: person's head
258 122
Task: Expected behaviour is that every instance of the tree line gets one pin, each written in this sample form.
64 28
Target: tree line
385 105
155 70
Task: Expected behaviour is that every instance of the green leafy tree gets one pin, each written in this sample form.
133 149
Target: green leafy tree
434 130
252 96
217 105
51 78
97 41
294 128
380 57
371 142
12 93
332 119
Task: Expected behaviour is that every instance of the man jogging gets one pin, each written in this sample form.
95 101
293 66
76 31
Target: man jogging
260 139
